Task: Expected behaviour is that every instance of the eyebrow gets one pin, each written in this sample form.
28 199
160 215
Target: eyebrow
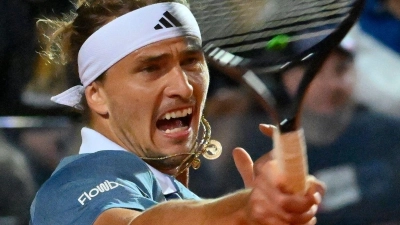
191 49
152 58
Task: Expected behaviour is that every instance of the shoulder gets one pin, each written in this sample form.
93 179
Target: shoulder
102 161
85 185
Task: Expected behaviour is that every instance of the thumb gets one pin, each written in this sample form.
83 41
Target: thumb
244 165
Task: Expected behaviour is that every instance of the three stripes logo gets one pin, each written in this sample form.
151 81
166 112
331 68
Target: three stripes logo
167 21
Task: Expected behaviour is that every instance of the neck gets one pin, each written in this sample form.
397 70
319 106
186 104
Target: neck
184 178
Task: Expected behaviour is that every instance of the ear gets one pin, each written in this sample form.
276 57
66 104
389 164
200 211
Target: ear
96 98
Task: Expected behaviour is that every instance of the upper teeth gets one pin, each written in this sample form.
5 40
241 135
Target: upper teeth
178 113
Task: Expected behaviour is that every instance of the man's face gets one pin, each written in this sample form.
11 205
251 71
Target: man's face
155 97
332 87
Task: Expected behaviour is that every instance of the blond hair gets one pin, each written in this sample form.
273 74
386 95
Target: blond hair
67 34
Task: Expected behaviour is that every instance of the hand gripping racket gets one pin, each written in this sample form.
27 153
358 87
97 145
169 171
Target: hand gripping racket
255 41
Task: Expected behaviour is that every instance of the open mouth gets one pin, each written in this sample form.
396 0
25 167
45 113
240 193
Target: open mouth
175 121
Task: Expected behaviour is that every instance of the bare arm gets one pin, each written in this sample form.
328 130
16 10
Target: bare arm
180 212
248 206
264 201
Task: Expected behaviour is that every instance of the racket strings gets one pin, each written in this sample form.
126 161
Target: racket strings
257 40
232 14
245 25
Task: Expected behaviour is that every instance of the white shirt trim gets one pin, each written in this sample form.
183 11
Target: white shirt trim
93 141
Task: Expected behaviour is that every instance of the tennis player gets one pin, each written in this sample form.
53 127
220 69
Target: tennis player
144 84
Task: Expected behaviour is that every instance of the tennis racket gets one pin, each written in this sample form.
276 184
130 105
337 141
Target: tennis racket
255 41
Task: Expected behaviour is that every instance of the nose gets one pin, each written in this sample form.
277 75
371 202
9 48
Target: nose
178 84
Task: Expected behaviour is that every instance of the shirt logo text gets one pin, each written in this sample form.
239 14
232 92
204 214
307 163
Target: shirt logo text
103 187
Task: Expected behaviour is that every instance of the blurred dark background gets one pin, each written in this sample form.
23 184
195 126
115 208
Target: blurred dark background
35 134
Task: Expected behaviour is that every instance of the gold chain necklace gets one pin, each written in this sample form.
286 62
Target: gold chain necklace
210 149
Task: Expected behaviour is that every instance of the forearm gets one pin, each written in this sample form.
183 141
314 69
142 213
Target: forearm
261 205
225 210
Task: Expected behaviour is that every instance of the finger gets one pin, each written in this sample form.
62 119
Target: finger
315 185
317 198
267 129
313 221
275 221
244 165
274 201
264 209
296 203
303 218
295 209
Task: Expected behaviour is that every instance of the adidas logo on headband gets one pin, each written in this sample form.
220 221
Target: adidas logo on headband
167 21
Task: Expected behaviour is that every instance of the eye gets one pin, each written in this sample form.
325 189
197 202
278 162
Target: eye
192 62
150 68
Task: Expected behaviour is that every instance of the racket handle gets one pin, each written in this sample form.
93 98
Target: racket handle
291 154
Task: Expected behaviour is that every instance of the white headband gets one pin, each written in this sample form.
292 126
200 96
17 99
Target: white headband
123 35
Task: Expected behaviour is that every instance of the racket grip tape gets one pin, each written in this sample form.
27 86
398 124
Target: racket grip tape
291 154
